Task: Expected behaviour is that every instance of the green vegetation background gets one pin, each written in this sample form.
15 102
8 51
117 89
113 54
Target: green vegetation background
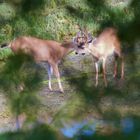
58 20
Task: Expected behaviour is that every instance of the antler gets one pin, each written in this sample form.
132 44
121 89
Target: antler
88 35
85 32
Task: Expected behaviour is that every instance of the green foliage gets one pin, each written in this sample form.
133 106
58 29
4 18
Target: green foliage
5 53
6 33
6 12
20 81
40 132
59 25
58 19
21 27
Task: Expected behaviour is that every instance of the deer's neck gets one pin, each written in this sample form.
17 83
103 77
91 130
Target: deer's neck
67 48
93 49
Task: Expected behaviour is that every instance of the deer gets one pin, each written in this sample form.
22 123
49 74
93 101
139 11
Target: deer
48 51
105 44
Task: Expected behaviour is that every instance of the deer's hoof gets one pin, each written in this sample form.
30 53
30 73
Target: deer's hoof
122 77
61 91
50 89
114 76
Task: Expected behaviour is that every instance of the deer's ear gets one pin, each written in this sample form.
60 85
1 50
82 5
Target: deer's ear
90 38
74 40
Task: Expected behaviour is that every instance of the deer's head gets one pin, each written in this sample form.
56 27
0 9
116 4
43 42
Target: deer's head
82 40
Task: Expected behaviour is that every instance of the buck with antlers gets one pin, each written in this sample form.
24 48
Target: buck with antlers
106 44
48 51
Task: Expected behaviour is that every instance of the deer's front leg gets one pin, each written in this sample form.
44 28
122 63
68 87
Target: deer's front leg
96 71
50 71
122 68
57 74
104 71
115 65
115 69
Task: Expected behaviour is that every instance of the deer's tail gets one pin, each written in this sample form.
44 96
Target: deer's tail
6 45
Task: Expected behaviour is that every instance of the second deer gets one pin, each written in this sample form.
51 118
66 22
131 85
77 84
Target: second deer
106 44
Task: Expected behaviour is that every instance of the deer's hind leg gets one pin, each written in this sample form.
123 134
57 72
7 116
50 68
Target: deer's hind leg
97 71
50 71
104 71
115 65
118 55
57 74
122 67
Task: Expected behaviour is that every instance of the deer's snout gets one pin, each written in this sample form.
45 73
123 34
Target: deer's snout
81 45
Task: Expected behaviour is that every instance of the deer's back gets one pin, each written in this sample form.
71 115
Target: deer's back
41 50
107 42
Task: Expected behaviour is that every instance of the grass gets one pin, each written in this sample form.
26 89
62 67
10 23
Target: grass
58 21
5 53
